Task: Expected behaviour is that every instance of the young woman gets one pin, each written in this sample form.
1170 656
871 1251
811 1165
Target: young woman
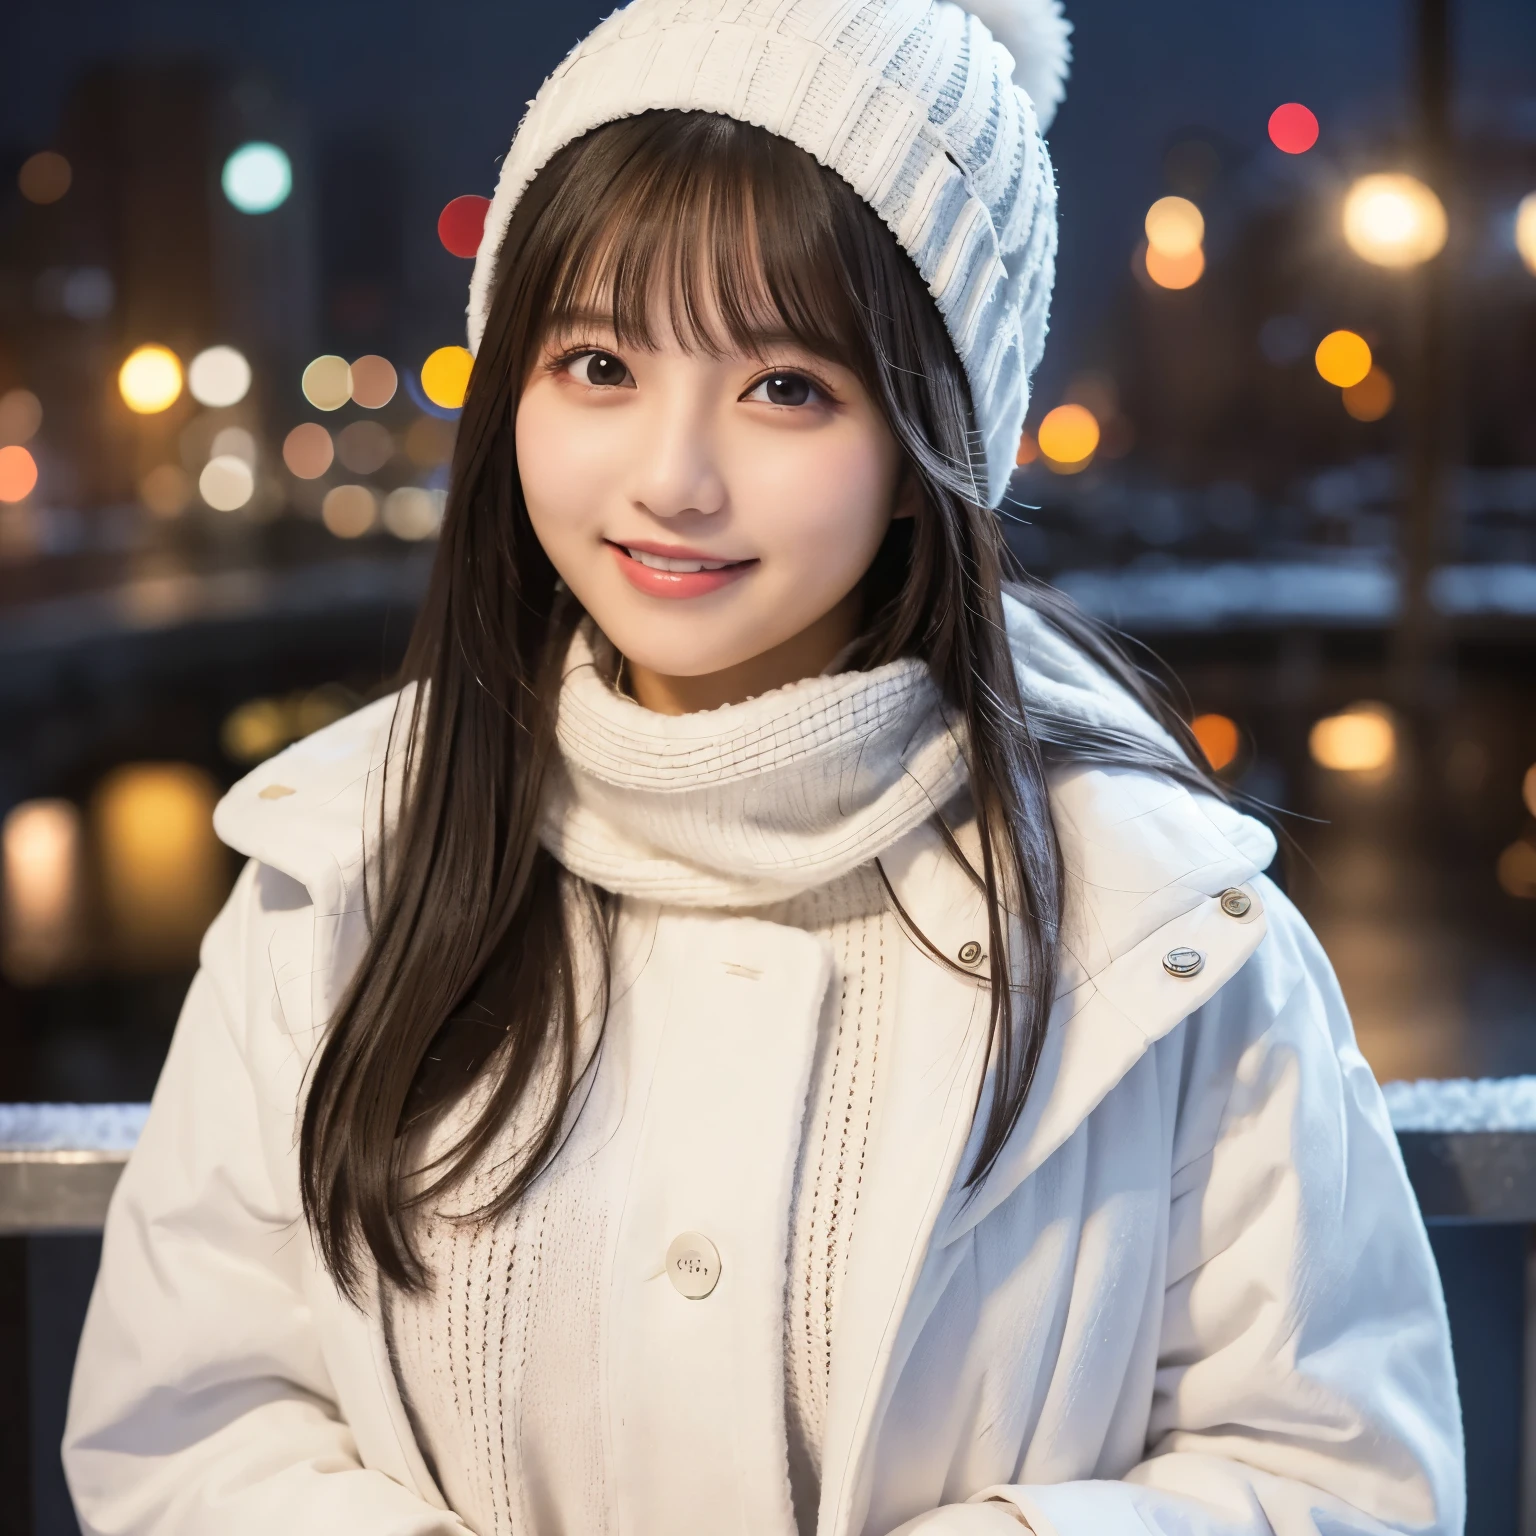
772 1029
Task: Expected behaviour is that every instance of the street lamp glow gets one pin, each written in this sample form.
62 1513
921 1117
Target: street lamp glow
258 178
1525 231
1394 220
150 380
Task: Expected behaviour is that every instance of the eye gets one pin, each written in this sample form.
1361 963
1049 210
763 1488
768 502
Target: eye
784 389
602 370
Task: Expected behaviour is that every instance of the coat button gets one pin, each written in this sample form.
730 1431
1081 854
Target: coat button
1183 962
970 952
693 1265
1236 903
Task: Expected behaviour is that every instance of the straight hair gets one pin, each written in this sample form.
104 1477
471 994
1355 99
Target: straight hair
471 975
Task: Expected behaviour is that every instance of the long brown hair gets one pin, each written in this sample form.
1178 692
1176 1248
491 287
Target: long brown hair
469 976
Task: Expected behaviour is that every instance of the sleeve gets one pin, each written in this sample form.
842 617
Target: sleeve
200 1400
1305 1385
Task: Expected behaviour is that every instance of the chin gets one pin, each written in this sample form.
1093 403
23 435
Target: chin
682 647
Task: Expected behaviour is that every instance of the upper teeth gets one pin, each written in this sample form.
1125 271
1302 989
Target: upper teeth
667 563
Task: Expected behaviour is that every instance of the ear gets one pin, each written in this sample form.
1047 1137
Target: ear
909 495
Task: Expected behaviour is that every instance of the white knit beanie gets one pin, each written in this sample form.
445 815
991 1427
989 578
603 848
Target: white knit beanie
914 103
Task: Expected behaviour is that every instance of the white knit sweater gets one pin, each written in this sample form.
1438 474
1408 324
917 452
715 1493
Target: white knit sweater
780 804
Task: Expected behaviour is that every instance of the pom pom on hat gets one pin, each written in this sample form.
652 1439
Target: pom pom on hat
1037 34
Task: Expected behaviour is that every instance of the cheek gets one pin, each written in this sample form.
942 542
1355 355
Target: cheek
824 503
561 476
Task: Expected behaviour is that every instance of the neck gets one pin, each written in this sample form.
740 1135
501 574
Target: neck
807 654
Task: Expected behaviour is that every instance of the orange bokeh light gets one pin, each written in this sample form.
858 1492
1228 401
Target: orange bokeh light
1174 272
18 473
1219 739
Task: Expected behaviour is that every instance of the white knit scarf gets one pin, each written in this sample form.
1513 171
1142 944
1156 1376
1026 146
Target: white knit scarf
747 804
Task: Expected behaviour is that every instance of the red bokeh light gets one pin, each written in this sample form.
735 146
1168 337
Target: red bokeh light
1293 128
461 223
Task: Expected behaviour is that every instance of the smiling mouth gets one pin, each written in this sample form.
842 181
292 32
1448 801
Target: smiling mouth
678 565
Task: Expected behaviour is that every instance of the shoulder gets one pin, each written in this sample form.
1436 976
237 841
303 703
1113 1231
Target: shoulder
306 812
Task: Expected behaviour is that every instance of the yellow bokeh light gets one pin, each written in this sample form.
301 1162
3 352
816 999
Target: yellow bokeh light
1372 397
327 383
163 872
1218 737
1175 227
150 379
42 867
1528 789
1068 436
255 730
1525 231
1343 358
1394 220
1361 739
1174 272
445 376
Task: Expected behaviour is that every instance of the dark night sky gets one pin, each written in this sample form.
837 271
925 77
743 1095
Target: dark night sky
449 80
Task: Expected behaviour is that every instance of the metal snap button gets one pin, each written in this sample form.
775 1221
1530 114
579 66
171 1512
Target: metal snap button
1183 962
693 1265
1236 903
970 952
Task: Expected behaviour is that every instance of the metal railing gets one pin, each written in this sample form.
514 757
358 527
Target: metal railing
1469 1147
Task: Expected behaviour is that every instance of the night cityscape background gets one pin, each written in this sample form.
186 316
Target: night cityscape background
1285 435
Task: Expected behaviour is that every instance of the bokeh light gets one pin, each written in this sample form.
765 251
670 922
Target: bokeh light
1343 358
18 473
237 441
374 381
1516 870
1219 739
1361 739
327 383
349 511
166 491
364 447
1528 789
1393 220
462 223
308 451
41 842
1372 398
1293 128
1068 436
1525 231
219 376
445 376
429 442
21 414
412 513
150 379
1174 226
1174 272
1029 449
163 872
44 177
257 178
226 483
254 730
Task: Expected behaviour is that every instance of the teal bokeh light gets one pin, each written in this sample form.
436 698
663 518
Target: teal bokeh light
258 178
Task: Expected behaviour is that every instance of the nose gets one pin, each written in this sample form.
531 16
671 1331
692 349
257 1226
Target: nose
676 469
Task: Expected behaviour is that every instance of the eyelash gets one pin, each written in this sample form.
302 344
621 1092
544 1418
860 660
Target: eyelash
559 363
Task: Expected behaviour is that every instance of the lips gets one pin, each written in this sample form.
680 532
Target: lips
676 572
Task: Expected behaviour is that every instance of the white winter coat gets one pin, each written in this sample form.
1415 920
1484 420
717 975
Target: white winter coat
1193 1298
